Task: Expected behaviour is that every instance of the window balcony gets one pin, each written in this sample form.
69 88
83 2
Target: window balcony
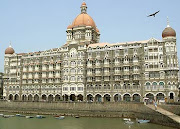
135 61
51 76
90 88
24 70
106 79
98 80
36 82
118 79
126 79
89 73
106 65
135 72
30 70
117 63
24 77
57 76
107 73
98 73
30 77
58 67
80 81
135 78
50 81
44 69
36 76
117 73
89 80
89 65
126 73
51 68
126 64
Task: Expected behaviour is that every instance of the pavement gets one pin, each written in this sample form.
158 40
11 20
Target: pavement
165 112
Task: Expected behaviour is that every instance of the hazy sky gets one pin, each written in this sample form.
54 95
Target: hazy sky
34 25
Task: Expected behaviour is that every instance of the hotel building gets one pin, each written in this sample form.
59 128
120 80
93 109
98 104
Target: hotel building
85 70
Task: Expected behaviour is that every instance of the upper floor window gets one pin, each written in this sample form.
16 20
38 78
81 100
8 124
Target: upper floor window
73 53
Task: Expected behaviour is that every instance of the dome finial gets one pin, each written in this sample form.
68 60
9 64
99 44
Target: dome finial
84 7
168 22
10 45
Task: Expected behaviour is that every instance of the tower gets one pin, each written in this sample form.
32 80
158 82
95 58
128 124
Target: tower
83 28
170 60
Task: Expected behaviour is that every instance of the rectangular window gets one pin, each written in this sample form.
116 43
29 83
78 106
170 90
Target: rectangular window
72 88
65 88
80 88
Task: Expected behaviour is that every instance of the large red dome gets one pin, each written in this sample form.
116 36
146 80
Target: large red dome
83 19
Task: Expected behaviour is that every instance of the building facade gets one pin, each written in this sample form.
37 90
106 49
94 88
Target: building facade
85 70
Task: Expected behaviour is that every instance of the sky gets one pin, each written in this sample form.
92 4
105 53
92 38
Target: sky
37 25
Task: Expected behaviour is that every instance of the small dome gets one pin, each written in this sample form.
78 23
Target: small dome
69 27
83 19
9 50
97 30
168 32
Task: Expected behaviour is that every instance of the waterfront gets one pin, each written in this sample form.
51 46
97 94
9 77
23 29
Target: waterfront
72 123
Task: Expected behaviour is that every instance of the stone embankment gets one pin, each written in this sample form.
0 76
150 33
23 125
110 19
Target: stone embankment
131 110
171 108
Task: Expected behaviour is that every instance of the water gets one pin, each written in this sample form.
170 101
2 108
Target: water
72 123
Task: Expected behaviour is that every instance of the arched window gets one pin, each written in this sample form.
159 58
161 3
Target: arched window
124 86
154 85
148 84
161 85
129 86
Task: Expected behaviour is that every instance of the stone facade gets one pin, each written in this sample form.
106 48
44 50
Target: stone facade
85 70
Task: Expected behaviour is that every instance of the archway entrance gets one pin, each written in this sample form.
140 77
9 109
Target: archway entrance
171 96
117 98
159 96
50 98
98 98
136 97
29 97
16 97
36 98
107 98
57 98
89 98
127 97
150 96
72 97
10 97
44 97
24 98
80 97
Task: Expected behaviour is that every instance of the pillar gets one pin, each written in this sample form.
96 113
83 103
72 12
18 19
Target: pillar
131 98
68 98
